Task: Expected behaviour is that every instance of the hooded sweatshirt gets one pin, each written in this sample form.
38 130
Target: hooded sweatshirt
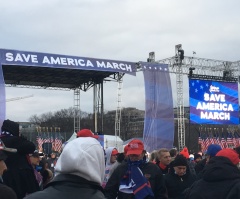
109 165
84 157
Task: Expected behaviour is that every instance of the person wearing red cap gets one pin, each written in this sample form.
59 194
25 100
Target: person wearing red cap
111 157
136 178
221 178
86 133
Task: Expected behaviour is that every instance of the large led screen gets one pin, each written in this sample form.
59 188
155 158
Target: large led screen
213 102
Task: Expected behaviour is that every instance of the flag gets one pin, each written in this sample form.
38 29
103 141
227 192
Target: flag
218 140
58 143
200 141
229 140
204 143
207 141
39 143
235 140
223 142
211 138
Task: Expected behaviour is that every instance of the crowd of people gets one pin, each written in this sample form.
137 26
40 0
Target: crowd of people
85 170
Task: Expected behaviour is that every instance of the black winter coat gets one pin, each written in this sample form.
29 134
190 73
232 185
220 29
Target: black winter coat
148 169
19 175
176 185
66 186
221 180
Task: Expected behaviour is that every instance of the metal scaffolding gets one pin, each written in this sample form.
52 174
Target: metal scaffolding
118 110
77 111
193 66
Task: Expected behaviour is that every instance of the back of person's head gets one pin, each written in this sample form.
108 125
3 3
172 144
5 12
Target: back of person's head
231 154
120 157
83 157
153 156
7 193
173 152
10 127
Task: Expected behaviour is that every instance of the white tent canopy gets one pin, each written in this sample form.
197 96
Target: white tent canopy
108 141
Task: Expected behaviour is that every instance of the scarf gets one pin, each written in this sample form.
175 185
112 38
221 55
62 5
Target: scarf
134 182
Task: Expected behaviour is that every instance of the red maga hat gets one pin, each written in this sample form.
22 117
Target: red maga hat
86 133
135 147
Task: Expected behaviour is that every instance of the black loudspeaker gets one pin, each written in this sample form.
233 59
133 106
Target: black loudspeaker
47 148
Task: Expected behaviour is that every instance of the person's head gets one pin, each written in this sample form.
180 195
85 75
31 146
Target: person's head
212 150
53 155
111 155
153 156
163 156
173 152
86 133
135 150
10 127
3 166
114 155
180 165
82 157
231 154
197 157
34 158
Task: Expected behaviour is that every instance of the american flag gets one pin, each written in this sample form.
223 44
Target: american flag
211 138
39 142
235 140
204 144
58 144
223 142
207 141
218 141
229 140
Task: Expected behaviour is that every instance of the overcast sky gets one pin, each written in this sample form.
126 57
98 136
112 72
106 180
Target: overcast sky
124 30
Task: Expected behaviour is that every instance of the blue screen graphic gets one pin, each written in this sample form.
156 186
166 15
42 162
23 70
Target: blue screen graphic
213 102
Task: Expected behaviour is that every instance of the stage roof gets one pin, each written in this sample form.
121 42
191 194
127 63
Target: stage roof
42 70
15 75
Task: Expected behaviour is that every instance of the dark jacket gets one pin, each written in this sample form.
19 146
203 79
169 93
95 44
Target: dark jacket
6 192
200 166
177 185
66 186
20 175
149 170
221 180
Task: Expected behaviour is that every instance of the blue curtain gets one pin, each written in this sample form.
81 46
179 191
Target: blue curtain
159 116
2 98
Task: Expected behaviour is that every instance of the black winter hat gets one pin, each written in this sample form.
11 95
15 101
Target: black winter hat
196 156
11 127
179 160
